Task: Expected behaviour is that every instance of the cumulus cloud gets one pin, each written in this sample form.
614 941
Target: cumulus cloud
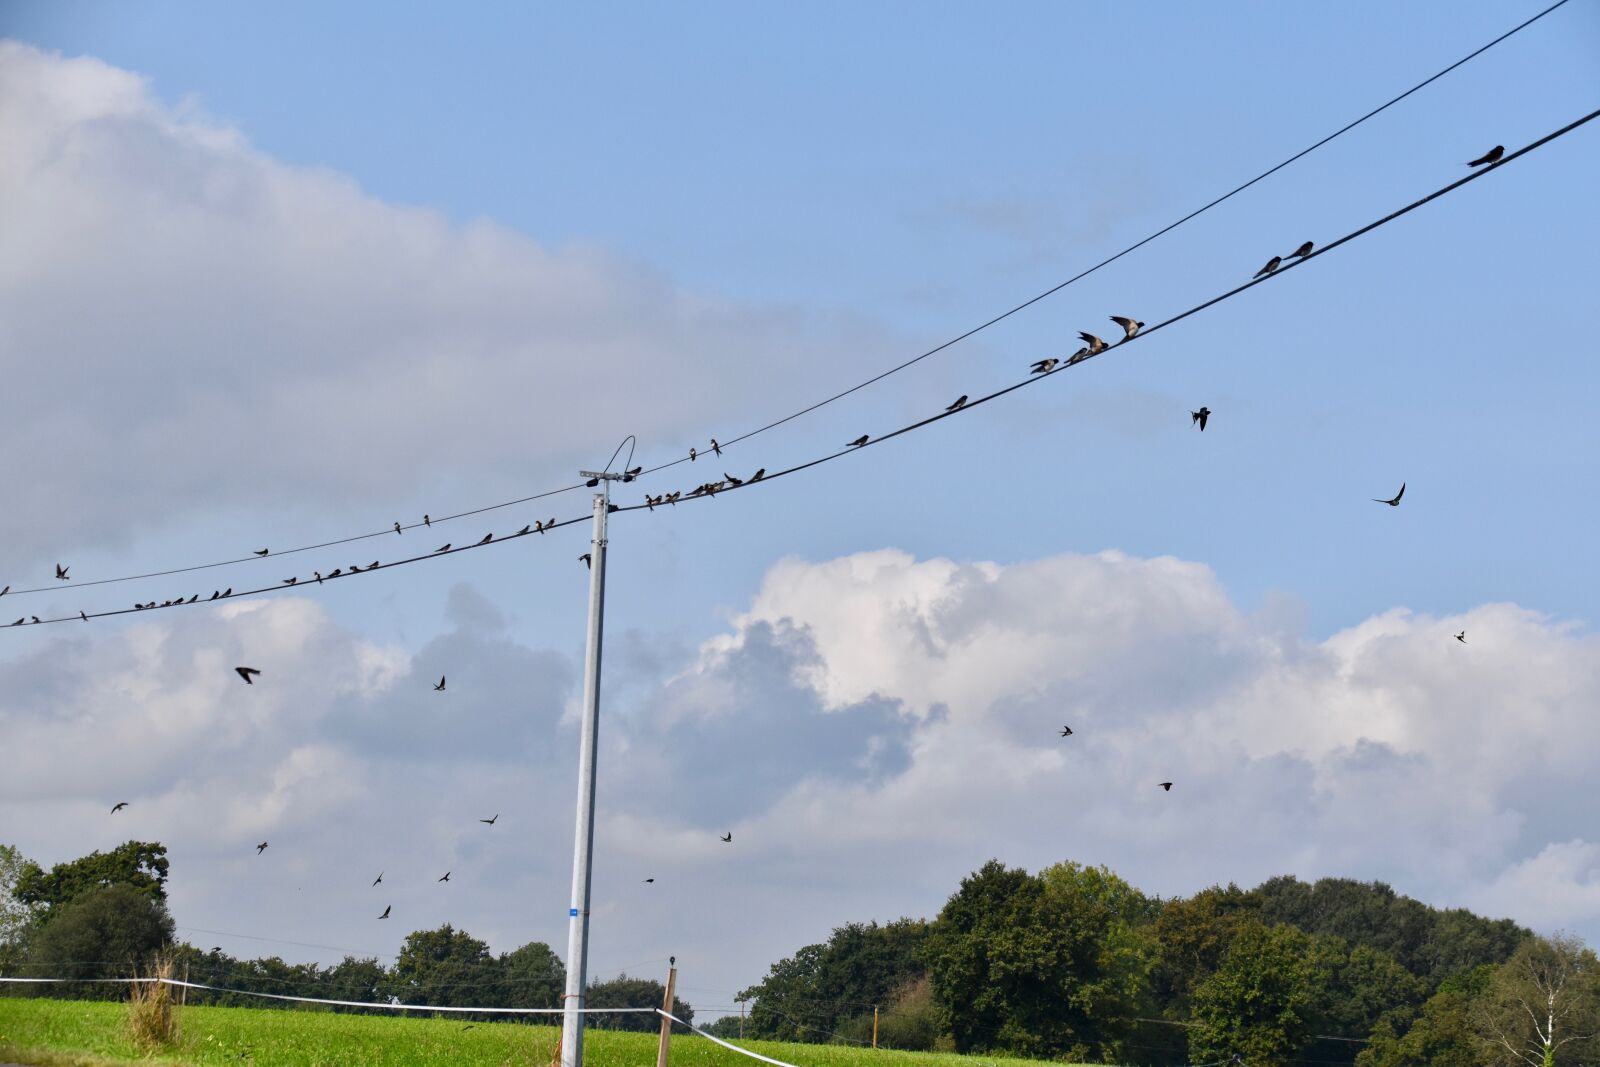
199 326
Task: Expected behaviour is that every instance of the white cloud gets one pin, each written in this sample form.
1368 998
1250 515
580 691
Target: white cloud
198 326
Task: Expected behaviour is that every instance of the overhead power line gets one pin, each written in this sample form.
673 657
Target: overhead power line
861 385
870 441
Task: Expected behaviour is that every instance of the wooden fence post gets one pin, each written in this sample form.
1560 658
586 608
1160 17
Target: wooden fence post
874 1026
666 1023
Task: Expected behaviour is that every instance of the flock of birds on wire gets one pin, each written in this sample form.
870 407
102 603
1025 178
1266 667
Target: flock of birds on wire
1092 346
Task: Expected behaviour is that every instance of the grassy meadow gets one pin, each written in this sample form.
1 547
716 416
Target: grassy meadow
81 1033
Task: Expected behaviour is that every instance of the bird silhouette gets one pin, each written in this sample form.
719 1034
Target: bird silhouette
262 551
716 447
446 877
1167 786
426 521
1066 731
442 548
1394 501
1272 265
635 472
386 911
24 619
120 805
1129 327
378 879
758 475
588 560
286 581
525 530
397 529
858 442
1462 637
1302 252
245 673
61 572
961 402
491 821
82 616
649 881
4 591
486 538
1200 416
318 574
261 848
728 837
440 687
1491 156
1078 356
731 480
335 572
228 591
1096 346
692 454
1044 366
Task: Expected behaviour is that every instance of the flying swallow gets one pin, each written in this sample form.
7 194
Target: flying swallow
1462 637
1302 252
1167 786
728 837
440 687
245 673
386 911
119 807
1066 731
1045 366
1096 346
378 879
261 848
1200 416
1129 327
1272 265
61 572
649 881
446 877
490 821
588 560
1395 501
1491 156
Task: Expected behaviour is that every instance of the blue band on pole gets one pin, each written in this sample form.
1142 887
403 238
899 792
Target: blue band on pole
572 911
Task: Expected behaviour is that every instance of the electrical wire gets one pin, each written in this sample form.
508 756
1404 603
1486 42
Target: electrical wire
870 381
969 406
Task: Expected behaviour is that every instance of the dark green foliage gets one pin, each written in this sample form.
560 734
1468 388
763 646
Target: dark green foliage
1258 1004
625 992
446 967
107 932
532 977
138 865
815 992
1441 1034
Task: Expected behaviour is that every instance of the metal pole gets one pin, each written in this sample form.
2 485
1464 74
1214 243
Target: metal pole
583 846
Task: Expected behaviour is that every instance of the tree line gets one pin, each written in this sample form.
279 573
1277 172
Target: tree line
1074 963
105 914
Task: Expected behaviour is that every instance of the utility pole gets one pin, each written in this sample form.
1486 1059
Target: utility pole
582 860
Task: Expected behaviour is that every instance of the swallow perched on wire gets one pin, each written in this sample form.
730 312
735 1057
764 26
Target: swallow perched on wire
1045 366
692 453
1078 356
858 442
263 551
397 529
1491 156
1303 251
1272 265
731 479
286 581
960 402
716 447
1096 346
442 548
486 538
758 475
1129 327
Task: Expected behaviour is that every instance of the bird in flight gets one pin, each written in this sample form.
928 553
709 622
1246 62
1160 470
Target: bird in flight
1200 416
1272 265
728 837
61 572
1167 786
1302 252
1096 346
440 687
1129 327
588 559
490 821
446 877
120 805
245 673
1491 156
262 551
386 911
648 881
1066 731
261 848
397 529
716 447
961 402
378 879
858 442
1462 637
1394 502
1045 366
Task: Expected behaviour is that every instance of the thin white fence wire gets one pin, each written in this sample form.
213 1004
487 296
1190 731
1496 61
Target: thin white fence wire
724 1044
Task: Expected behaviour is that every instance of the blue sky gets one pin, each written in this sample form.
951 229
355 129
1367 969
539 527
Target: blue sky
775 202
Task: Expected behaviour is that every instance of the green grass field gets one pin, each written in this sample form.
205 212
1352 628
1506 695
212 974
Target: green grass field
81 1033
